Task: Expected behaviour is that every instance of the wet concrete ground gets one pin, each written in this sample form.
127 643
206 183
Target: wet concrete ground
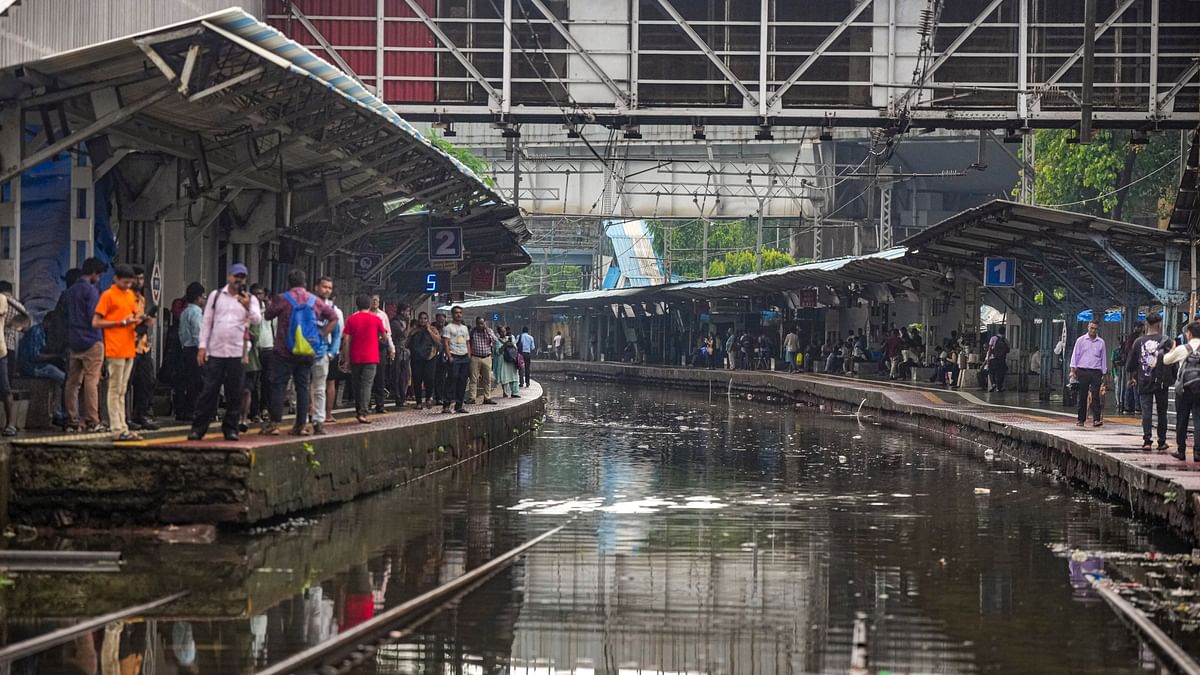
707 536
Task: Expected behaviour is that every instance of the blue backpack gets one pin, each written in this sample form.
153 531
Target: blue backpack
303 332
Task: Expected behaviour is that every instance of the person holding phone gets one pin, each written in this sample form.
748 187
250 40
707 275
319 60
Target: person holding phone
224 341
117 315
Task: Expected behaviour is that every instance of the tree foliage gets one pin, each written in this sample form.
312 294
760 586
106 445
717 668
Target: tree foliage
742 262
476 164
1068 172
729 244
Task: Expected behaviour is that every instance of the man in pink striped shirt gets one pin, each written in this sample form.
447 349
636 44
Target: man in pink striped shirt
221 352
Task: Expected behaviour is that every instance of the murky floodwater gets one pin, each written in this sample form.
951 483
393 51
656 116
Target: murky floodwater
706 537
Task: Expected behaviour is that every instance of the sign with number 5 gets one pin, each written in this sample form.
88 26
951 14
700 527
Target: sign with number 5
445 243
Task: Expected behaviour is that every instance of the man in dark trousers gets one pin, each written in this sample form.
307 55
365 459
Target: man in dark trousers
1089 363
1152 378
143 381
997 360
228 314
526 347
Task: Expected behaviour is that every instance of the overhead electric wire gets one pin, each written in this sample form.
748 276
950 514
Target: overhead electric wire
553 71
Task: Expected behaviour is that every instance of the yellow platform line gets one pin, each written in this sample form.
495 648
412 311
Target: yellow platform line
933 398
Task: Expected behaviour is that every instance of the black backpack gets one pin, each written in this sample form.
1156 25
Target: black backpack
509 352
1000 351
1189 372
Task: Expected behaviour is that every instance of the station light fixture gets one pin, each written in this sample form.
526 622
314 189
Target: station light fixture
572 131
633 132
1013 135
826 134
1139 137
698 132
764 133
447 128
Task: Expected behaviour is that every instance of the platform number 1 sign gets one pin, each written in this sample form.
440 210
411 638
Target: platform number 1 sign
445 243
1000 272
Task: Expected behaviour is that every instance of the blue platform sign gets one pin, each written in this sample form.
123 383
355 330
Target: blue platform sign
445 243
1000 272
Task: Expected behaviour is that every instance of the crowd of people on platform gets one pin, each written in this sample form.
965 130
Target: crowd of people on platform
253 352
901 350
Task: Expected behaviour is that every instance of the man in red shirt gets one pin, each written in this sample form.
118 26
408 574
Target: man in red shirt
360 340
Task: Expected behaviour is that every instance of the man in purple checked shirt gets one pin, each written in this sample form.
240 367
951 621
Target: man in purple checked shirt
1089 362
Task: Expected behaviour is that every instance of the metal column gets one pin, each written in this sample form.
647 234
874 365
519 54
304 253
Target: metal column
10 197
885 216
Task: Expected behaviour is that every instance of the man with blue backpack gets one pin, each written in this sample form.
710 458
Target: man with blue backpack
297 339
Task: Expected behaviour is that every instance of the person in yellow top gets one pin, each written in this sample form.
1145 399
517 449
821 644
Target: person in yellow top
118 315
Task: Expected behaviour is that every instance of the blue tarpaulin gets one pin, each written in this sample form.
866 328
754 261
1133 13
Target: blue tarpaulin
1109 317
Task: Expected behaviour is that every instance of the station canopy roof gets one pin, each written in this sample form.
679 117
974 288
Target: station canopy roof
874 268
1049 245
252 109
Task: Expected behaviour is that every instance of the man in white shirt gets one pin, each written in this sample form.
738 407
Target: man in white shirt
228 312
558 346
455 339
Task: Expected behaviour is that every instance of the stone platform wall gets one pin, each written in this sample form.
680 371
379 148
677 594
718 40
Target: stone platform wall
62 484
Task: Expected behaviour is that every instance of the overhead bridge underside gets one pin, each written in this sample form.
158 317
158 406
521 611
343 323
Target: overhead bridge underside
899 63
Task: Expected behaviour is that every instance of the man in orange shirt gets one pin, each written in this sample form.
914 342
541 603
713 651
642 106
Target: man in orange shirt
117 313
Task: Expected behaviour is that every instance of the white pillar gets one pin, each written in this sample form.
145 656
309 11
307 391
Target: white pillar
83 210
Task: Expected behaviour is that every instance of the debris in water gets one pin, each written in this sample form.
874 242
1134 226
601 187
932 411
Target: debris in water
841 459
989 454
571 400
982 491
856 438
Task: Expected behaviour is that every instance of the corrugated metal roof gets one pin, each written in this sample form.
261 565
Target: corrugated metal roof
879 267
486 303
1043 240
225 34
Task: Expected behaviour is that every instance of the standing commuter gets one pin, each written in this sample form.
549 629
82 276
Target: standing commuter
117 315
1151 378
224 340
143 380
327 350
85 344
455 339
526 346
422 343
362 337
297 332
187 380
1089 362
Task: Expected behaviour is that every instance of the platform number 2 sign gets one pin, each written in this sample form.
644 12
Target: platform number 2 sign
445 243
999 271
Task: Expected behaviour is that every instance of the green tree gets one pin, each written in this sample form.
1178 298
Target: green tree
742 262
476 164
725 238
1068 173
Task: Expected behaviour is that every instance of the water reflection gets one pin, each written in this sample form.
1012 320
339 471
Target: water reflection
714 537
